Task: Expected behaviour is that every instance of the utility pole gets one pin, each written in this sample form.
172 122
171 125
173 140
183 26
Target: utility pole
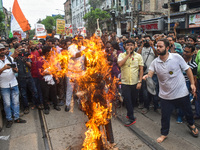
118 19
132 8
169 1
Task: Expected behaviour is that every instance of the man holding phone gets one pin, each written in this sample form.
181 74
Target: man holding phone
131 63
9 88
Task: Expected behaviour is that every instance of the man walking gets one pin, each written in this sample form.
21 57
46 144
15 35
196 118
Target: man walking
130 63
173 90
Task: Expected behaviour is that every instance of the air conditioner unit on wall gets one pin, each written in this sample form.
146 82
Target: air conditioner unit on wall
183 7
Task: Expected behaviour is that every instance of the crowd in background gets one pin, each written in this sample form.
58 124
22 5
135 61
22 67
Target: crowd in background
26 78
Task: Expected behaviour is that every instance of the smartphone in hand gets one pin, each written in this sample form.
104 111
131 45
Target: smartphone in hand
12 65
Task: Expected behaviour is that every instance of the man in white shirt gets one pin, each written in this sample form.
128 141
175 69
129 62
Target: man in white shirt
9 88
76 66
173 90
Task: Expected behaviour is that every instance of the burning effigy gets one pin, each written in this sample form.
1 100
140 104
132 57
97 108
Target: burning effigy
95 87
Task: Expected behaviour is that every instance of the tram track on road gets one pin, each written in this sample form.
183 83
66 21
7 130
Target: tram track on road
45 131
142 136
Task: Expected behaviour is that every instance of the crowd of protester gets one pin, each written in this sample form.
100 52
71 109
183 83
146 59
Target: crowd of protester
22 75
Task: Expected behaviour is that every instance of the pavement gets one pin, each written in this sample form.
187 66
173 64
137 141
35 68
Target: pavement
66 132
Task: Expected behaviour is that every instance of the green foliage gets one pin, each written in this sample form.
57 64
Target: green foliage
92 16
95 3
50 21
2 25
32 33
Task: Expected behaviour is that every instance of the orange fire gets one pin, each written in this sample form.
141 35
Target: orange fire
96 88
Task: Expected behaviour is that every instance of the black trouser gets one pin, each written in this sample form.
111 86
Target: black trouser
167 106
48 92
129 92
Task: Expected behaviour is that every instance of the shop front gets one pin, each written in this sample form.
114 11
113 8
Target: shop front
152 26
194 23
181 19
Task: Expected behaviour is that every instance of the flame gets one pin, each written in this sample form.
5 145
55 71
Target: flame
94 81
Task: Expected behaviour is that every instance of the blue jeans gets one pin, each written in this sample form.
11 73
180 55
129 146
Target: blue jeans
24 85
167 107
11 102
38 87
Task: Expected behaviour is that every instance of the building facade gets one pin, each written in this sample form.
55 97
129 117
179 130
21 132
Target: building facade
6 22
148 15
68 12
79 9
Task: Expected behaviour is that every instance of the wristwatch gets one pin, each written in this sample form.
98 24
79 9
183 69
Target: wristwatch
139 81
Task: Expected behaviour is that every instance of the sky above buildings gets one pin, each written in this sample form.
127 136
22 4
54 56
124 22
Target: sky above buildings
35 9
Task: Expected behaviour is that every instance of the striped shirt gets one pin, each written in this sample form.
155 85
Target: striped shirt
193 65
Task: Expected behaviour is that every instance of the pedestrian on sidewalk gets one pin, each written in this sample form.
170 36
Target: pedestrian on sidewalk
131 64
173 90
9 88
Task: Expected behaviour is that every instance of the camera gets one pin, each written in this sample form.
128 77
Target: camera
23 53
12 65
145 41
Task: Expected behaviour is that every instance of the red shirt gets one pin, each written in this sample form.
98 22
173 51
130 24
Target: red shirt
34 66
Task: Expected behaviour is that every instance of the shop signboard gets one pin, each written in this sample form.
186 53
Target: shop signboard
151 26
194 20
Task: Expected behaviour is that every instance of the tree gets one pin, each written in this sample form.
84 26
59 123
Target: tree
95 3
92 16
2 25
50 22
32 33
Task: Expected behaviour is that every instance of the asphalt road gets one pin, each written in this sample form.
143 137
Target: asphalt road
65 131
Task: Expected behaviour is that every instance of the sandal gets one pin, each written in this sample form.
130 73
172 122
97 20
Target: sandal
193 131
33 107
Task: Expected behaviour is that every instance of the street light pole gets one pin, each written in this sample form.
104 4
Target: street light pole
132 5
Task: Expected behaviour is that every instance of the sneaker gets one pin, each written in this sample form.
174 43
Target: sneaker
141 106
46 111
67 108
26 110
145 110
130 122
9 124
57 108
179 120
19 120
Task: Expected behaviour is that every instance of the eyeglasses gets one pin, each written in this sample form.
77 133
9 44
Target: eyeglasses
186 51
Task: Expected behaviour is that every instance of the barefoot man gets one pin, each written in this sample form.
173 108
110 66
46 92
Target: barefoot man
173 90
